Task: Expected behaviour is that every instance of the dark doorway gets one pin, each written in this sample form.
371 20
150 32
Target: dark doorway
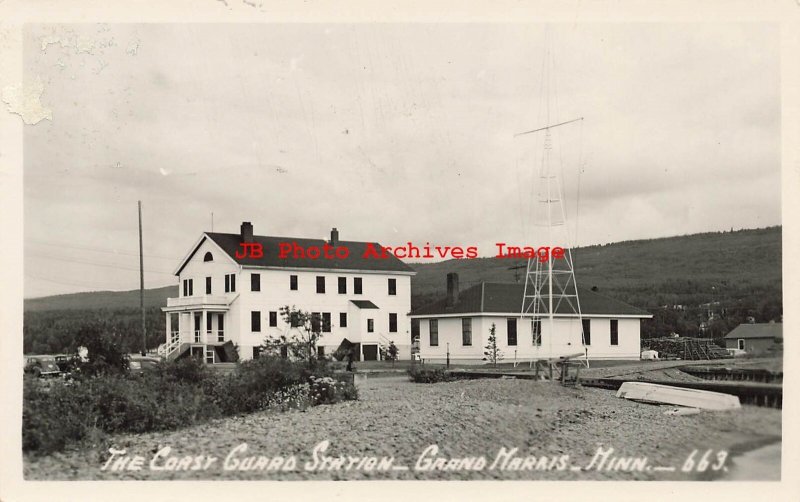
370 352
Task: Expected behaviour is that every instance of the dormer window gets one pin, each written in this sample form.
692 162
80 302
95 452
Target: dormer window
208 257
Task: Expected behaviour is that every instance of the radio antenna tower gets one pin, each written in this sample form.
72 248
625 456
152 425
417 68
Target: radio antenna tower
550 287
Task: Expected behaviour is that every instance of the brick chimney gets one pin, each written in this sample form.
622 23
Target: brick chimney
334 237
452 289
247 231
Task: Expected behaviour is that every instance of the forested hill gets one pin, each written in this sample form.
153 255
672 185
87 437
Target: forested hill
156 297
645 273
669 277
743 268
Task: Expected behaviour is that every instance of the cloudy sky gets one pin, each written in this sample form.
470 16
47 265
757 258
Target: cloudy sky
390 132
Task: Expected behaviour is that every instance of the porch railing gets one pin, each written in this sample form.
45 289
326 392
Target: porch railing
174 343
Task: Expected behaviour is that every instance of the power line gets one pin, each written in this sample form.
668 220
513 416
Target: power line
69 283
100 250
119 267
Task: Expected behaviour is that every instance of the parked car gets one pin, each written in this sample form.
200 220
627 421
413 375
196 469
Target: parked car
140 364
66 362
41 366
650 355
736 352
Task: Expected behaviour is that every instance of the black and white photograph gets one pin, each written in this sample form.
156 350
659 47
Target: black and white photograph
401 250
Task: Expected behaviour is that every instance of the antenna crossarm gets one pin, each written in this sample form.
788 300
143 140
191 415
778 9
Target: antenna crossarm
549 127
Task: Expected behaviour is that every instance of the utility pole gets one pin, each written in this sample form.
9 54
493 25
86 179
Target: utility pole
141 283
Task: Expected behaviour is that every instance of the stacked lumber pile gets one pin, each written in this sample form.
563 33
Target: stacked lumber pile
692 349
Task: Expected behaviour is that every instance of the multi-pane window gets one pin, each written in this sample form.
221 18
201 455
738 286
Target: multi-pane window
230 283
466 331
326 322
342 319
320 284
536 331
392 286
293 282
614 332
188 287
220 328
208 285
370 325
209 319
357 286
433 329
255 321
255 282
587 331
392 323
273 319
511 325
342 285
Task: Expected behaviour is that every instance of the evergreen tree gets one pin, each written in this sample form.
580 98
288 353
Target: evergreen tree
493 352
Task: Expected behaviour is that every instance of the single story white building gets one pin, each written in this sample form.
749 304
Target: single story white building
460 324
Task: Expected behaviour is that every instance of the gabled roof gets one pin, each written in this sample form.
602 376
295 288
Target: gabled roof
761 330
229 243
506 298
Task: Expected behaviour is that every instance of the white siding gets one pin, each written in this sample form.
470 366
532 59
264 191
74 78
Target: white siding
564 337
276 293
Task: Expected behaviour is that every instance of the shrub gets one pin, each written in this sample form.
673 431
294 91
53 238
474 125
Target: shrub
184 370
53 417
326 390
106 354
178 394
420 375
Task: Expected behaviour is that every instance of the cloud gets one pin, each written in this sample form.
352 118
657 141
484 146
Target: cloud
682 124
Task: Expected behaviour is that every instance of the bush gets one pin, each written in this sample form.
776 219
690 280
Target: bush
106 354
420 375
178 394
326 390
53 417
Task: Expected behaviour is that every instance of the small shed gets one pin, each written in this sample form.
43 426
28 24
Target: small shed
755 338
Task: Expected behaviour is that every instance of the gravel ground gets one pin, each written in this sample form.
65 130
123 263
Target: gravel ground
470 418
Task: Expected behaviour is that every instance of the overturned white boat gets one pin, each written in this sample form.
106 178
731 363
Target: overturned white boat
679 396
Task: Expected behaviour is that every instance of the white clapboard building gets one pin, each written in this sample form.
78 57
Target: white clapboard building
459 325
228 301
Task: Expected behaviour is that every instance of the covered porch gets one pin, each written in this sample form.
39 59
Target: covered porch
195 326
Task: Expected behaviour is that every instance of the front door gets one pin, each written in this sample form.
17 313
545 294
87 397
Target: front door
370 352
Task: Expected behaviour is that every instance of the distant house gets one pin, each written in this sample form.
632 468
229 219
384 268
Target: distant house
228 298
755 338
460 323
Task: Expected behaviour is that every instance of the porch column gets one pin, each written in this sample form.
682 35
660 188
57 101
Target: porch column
203 329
